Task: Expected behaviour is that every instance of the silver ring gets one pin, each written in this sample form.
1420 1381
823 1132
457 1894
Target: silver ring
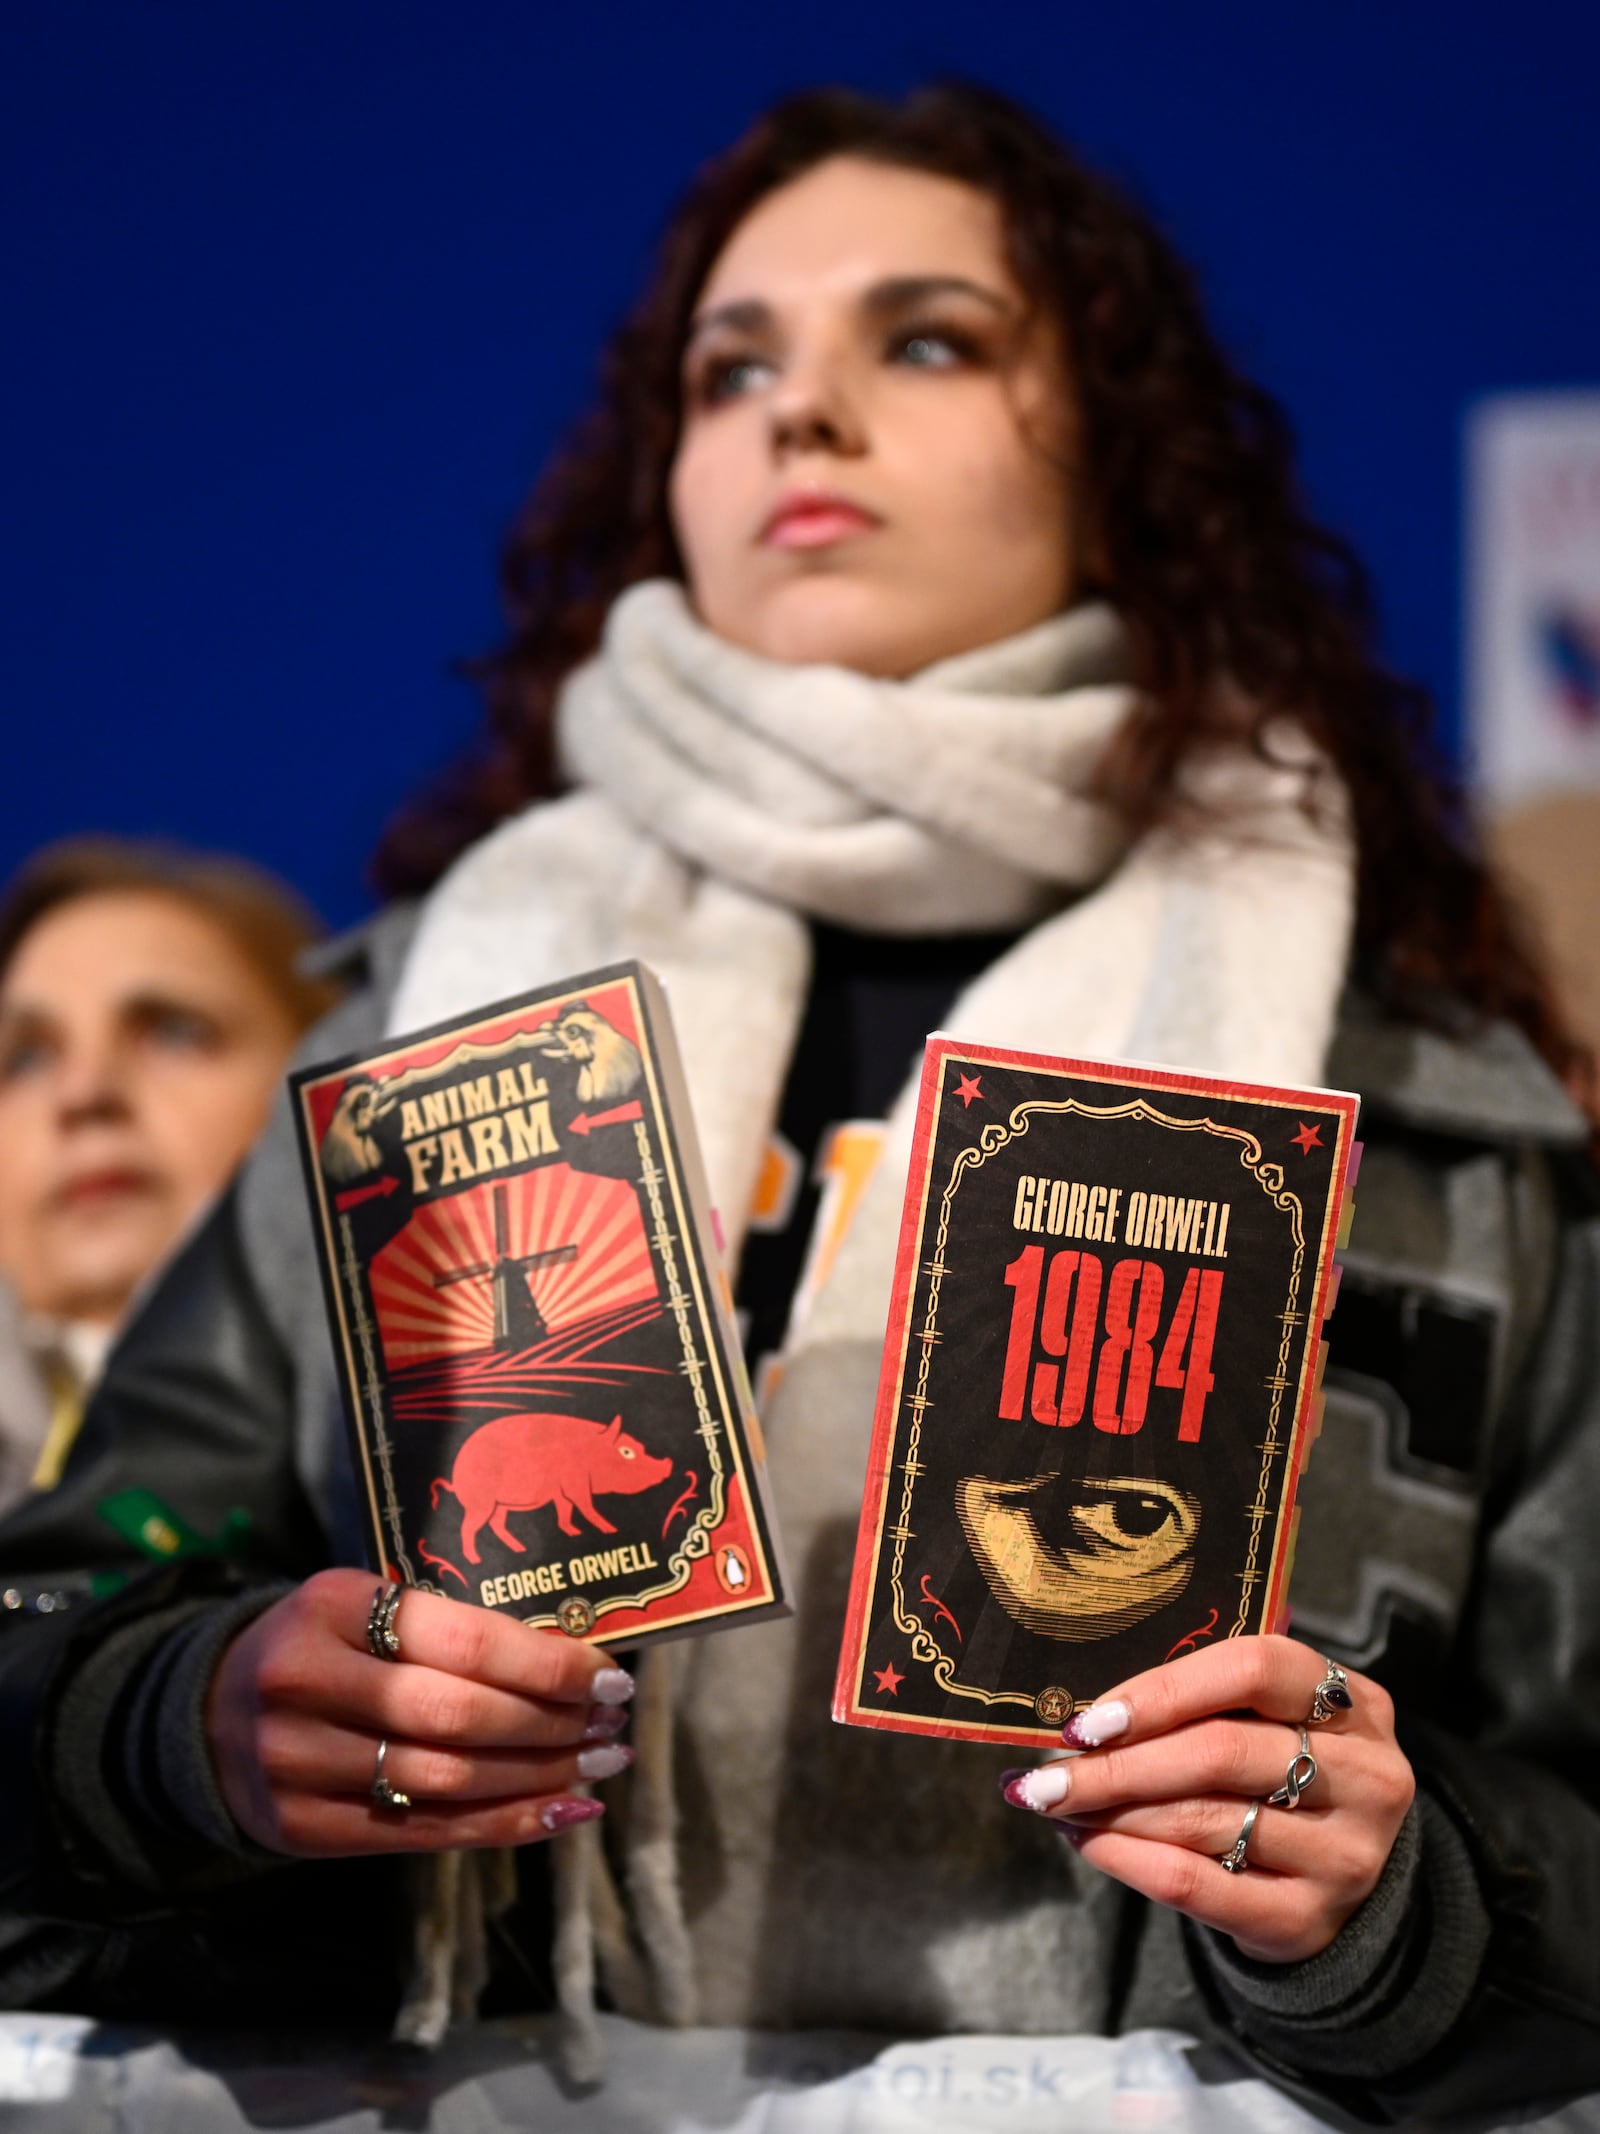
383 1640
1332 1694
1233 1861
1300 1774
383 1793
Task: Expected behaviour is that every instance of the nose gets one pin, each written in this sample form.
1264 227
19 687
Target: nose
91 1084
812 408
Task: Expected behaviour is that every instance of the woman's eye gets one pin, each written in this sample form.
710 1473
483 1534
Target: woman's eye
730 377
22 1057
181 1030
930 348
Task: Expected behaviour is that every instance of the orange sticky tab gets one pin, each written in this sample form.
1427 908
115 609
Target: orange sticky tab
777 1187
768 1371
752 1430
1282 1623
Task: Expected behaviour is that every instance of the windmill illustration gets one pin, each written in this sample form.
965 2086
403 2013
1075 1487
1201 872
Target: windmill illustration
518 1321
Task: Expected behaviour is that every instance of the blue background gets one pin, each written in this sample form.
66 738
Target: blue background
298 296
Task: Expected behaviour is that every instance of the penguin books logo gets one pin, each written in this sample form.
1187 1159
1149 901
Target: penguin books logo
733 1568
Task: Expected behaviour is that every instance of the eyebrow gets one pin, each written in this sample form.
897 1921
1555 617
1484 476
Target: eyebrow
151 1000
138 1006
896 293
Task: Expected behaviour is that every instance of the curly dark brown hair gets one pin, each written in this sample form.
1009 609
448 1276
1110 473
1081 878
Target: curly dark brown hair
1201 536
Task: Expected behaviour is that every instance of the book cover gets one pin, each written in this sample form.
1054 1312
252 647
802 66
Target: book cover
546 1393
1098 1385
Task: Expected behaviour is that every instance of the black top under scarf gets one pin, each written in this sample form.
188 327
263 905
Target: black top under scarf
873 1000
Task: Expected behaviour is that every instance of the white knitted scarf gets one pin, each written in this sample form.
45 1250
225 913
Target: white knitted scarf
722 800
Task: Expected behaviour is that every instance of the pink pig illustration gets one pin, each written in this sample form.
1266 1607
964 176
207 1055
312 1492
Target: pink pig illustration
519 1462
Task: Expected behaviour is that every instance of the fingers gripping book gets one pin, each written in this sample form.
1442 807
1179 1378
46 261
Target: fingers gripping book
547 1398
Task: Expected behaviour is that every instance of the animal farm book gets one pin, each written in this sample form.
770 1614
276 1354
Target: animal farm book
1097 1386
546 1392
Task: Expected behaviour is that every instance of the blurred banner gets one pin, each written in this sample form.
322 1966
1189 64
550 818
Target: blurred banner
1534 679
1534 500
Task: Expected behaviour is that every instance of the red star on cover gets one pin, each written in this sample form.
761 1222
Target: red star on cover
1308 1138
888 1680
968 1087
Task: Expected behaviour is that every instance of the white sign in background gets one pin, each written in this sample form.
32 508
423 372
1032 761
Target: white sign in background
1533 480
61 2074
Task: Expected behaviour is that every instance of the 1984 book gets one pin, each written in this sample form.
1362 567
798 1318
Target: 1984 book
1098 1384
546 1392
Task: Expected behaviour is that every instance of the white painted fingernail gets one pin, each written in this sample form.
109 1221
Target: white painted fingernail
1100 1723
1041 1790
612 1685
604 1762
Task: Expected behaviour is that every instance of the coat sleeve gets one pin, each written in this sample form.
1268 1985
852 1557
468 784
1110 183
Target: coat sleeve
1474 1982
204 1480
180 1515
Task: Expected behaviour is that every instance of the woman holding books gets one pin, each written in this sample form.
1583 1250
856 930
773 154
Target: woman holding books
925 629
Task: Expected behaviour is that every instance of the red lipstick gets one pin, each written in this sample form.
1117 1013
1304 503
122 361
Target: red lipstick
95 1188
815 518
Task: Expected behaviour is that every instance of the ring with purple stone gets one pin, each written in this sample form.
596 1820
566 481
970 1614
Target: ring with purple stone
1332 1694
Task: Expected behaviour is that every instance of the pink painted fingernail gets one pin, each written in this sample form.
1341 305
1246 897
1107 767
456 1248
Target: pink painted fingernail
612 1685
1041 1789
605 1762
606 1721
563 1814
1099 1723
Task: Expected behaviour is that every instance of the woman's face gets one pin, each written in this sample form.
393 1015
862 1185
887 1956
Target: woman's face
875 468
139 1051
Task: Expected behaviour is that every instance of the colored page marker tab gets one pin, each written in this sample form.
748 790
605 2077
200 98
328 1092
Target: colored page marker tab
1347 1211
1285 1613
155 1529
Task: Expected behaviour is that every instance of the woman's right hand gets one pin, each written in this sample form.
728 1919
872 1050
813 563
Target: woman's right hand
488 1724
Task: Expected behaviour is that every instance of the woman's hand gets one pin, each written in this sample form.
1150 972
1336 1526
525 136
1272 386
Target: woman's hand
487 1724
1181 1752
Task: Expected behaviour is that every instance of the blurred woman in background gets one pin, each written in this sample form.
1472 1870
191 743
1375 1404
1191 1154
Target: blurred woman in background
928 629
149 998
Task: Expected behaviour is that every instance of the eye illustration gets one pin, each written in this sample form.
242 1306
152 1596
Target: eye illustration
1129 1550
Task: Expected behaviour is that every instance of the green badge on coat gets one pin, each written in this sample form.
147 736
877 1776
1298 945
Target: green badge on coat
155 1529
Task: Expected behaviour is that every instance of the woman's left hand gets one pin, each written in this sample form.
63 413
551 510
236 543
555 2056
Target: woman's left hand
1179 1754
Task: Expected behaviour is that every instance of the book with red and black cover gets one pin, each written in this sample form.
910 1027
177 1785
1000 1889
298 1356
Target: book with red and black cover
545 1387
1098 1386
